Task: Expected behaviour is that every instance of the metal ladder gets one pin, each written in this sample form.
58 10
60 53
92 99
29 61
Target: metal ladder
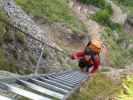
54 86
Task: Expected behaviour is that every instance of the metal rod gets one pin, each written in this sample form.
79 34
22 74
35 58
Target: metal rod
38 62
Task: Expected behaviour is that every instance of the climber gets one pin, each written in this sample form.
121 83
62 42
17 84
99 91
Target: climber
89 57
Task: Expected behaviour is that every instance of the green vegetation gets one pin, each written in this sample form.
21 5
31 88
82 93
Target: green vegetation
102 4
6 32
117 42
127 5
3 15
52 11
20 37
98 3
5 64
102 16
10 64
32 59
2 27
9 56
126 2
99 87
2 32
126 92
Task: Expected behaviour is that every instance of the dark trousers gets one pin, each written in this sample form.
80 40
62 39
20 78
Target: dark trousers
84 65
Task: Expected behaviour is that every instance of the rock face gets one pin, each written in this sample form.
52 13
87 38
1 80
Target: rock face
21 20
118 15
83 12
129 24
52 60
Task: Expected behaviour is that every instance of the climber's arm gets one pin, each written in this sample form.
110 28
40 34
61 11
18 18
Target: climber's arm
96 64
78 55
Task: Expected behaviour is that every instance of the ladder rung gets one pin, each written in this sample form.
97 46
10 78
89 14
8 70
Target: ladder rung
63 73
24 93
73 78
45 86
55 83
41 89
60 81
64 76
4 98
49 86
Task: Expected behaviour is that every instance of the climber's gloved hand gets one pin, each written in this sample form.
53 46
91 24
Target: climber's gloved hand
71 56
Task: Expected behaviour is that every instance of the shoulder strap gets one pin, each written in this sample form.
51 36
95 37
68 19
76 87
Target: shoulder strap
93 57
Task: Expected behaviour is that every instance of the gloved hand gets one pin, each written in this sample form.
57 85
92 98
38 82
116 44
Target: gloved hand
71 56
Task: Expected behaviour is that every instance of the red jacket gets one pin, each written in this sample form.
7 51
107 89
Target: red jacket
80 54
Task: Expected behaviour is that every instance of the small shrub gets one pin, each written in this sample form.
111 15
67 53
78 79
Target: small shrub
115 26
98 3
8 36
20 37
103 4
2 59
45 53
102 16
2 32
8 65
32 59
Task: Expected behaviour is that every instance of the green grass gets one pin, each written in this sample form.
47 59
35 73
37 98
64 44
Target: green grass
119 54
52 11
126 92
99 86
102 16
125 2
98 3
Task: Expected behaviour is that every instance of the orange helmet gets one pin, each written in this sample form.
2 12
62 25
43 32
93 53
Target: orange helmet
95 45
